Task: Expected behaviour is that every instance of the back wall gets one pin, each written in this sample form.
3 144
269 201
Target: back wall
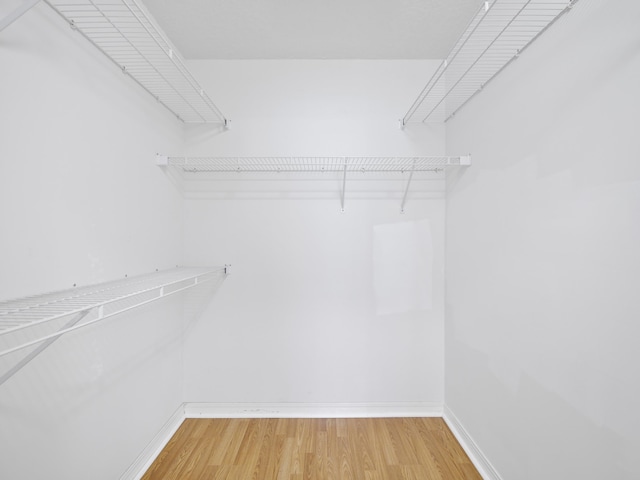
321 306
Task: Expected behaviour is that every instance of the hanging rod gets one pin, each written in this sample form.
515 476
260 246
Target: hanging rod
499 32
126 33
341 165
95 303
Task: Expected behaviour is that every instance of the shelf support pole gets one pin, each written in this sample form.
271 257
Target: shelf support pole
406 188
344 185
23 8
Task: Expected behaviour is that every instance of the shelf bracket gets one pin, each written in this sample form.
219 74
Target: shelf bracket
23 8
344 185
39 349
406 189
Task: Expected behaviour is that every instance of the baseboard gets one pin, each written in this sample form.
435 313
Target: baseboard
304 410
479 459
153 449
312 410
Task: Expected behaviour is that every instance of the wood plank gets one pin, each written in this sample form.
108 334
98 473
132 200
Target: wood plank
313 449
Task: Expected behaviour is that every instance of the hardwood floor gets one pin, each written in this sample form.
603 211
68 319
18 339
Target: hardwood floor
323 449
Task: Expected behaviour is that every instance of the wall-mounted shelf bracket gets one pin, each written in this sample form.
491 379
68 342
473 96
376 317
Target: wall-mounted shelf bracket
20 10
40 348
406 189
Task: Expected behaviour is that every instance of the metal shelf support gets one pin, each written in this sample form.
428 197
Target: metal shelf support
40 348
406 189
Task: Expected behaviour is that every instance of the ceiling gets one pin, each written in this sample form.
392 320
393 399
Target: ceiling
313 29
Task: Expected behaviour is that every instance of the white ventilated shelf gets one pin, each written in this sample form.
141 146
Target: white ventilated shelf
127 34
94 303
497 35
196 165
292 169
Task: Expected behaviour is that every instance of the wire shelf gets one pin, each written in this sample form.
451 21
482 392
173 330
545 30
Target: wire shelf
126 33
305 168
497 35
94 303
189 165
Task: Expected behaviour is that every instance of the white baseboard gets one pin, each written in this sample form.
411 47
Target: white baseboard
312 410
153 449
477 457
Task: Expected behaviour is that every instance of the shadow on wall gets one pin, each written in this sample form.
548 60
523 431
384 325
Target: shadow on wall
199 299
454 178
547 437
196 135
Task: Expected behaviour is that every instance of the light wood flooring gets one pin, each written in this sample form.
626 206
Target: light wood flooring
323 449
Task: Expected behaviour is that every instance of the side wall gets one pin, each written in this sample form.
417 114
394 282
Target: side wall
542 258
321 307
81 201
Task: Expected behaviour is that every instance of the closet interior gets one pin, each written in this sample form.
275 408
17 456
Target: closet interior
191 237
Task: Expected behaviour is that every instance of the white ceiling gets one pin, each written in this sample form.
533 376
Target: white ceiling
313 29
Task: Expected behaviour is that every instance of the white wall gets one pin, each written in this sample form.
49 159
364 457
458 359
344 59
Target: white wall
81 201
314 107
300 318
310 314
542 280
